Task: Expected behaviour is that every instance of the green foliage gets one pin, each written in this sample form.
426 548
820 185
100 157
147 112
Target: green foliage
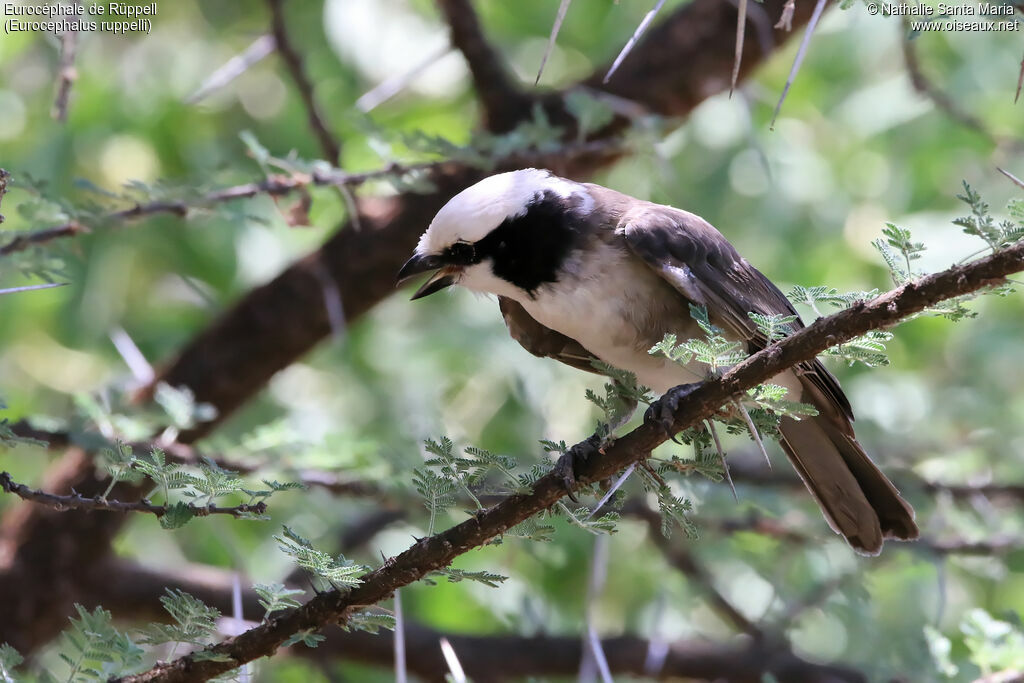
868 349
981 223
773 397
620 398
10 659
437 491
275 597
195 622
773 327
714 350
371 622
168 476
177 515
812 296
213 482
994 644
97 649
583 518
591 113
456 575
532 530
181 407
338 572
674 509
8 439
308 637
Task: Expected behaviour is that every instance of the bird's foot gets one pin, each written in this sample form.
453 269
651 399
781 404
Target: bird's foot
566 466
663 411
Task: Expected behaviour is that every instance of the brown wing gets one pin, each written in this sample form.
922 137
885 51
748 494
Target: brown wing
543 341
699 262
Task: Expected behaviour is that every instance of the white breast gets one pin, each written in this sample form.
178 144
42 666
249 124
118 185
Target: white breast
618 308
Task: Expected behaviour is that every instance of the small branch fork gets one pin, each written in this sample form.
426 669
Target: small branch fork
76 501
441 549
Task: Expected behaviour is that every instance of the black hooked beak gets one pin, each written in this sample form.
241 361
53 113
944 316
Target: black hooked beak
442 279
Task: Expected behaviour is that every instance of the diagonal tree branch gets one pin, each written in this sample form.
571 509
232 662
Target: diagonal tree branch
702 401
328 143
504 103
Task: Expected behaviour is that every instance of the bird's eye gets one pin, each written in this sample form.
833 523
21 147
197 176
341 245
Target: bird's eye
462 253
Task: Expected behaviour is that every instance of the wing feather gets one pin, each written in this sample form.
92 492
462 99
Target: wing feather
541 340
692 256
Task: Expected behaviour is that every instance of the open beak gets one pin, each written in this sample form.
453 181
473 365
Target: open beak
443 278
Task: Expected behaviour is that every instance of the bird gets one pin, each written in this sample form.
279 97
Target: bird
583 272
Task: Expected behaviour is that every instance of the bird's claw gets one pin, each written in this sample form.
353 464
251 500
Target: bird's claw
663 411
566 466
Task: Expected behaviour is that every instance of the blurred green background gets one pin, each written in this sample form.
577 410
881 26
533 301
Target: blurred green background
854 147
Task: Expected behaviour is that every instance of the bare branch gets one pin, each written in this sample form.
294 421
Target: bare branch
66 74
702 401
328 143
76 501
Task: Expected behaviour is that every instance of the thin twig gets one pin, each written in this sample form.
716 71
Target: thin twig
328 143
66 74
648 18
808 32
563 8
76 501
233 68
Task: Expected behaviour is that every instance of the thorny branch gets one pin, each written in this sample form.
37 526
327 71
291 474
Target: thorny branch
700 403
76 501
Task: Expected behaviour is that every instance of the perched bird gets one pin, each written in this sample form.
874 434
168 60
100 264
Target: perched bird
584 272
